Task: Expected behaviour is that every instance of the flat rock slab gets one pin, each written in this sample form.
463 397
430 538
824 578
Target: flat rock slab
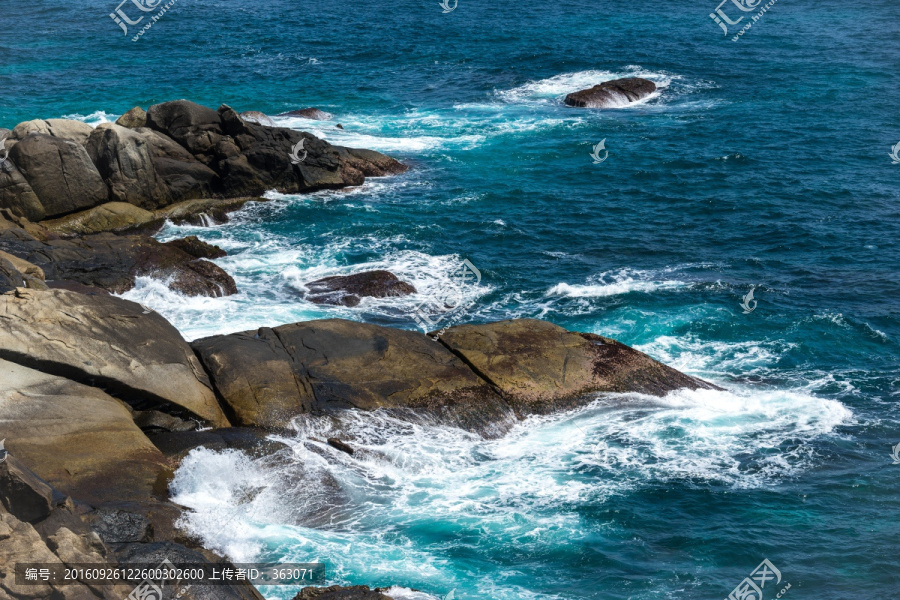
540 367
107 341
271 375
77 438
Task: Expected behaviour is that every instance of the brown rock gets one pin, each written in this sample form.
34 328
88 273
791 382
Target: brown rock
134 118
271 375
347 289
540 367
104 340
113 217
611 94
75 437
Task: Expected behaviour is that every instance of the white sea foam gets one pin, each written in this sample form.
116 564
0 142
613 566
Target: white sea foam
556 87
525 489
616 282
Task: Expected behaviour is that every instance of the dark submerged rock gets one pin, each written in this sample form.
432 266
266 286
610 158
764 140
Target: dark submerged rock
347 289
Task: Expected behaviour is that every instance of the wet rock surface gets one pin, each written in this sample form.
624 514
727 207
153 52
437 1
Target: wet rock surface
612 94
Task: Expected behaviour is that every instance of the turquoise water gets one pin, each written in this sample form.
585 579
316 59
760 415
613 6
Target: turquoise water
762 164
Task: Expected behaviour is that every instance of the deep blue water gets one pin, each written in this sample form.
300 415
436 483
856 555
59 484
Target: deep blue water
762 164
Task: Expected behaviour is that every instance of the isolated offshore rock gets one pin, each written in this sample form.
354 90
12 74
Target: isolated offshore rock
134 118
540 367
103 340
75 437
347 289
269 376
60 172
612 93
308 113
123 158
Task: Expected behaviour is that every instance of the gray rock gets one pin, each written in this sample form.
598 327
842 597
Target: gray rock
60 172
124 161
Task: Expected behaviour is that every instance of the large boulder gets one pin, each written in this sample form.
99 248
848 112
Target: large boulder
612 94
271 375
113 262
540 367
348 289
60 172
133 354
16 194
75 437
64 129
125 162
114 217
186 177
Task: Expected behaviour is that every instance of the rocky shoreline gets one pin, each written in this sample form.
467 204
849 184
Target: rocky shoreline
101 398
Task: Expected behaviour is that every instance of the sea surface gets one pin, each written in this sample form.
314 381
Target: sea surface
761 164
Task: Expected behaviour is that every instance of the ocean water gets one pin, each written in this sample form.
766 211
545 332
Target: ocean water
761 164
